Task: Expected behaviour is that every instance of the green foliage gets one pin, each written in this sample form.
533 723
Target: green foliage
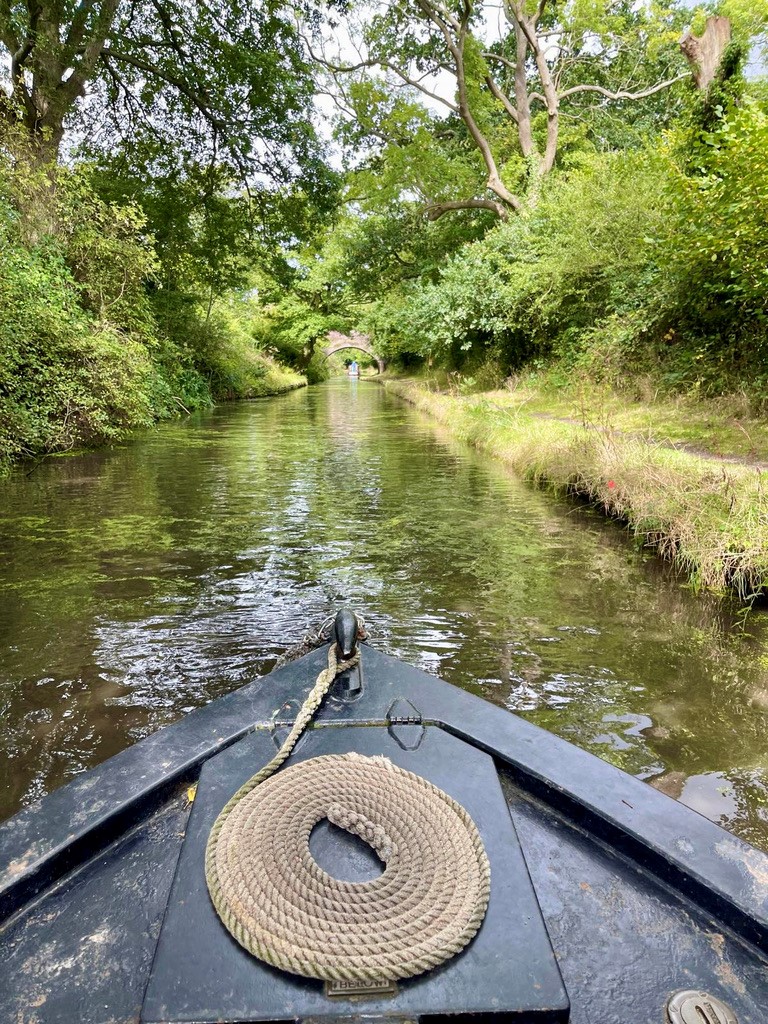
100 330
404 153
718 264
108 252
294 326
748 18
196 80
724 255
383 250
209 232
228 356
530 283
293 323
67 377
646 261
116 303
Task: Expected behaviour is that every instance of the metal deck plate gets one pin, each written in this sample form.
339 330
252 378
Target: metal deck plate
200 974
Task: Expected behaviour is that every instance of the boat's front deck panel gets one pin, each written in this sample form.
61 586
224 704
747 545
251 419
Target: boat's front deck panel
634 888
83 952
508 972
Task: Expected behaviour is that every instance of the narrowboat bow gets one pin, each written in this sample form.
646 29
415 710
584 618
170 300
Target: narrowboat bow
527 880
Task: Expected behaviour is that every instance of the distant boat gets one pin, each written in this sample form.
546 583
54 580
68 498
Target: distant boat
601 888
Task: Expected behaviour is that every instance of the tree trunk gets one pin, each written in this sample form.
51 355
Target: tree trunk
51 61
522 103
705 52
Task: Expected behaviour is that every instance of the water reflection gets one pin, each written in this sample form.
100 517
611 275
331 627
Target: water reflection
139 583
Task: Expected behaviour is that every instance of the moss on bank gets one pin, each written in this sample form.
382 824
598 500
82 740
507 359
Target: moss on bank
710 518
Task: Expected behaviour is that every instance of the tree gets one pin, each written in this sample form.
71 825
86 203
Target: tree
297 318
548 55
218 80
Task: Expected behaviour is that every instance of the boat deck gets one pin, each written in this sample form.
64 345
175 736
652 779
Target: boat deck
641 896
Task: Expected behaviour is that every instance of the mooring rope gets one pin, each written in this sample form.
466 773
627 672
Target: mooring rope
285 909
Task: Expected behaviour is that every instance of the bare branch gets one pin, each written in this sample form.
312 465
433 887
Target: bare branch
341 69
416 84
527 29
25 47
494 182
340 102
501 59
373 62
622 95
402 262
446 15
432 12
133 107
455 32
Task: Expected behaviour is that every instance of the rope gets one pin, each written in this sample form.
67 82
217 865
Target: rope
279 904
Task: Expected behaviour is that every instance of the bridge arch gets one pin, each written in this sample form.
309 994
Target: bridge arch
335 342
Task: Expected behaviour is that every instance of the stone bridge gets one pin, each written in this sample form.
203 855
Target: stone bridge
335 341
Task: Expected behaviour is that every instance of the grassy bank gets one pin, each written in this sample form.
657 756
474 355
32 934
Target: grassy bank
252 374
730 426
710 518
277 380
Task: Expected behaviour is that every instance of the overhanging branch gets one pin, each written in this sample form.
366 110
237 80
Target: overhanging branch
501 59
200 102
374 62
416 84
436 210
623 94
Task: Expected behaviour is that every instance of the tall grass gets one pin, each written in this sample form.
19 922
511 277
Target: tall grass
710 518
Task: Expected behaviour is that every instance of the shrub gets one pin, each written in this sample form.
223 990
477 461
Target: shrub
649 261
66 378
90 345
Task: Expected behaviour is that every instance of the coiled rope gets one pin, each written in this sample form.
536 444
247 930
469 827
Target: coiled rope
283 908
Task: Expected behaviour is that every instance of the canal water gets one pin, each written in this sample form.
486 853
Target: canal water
141 582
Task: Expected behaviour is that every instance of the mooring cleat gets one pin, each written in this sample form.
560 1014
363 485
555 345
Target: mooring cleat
345 629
